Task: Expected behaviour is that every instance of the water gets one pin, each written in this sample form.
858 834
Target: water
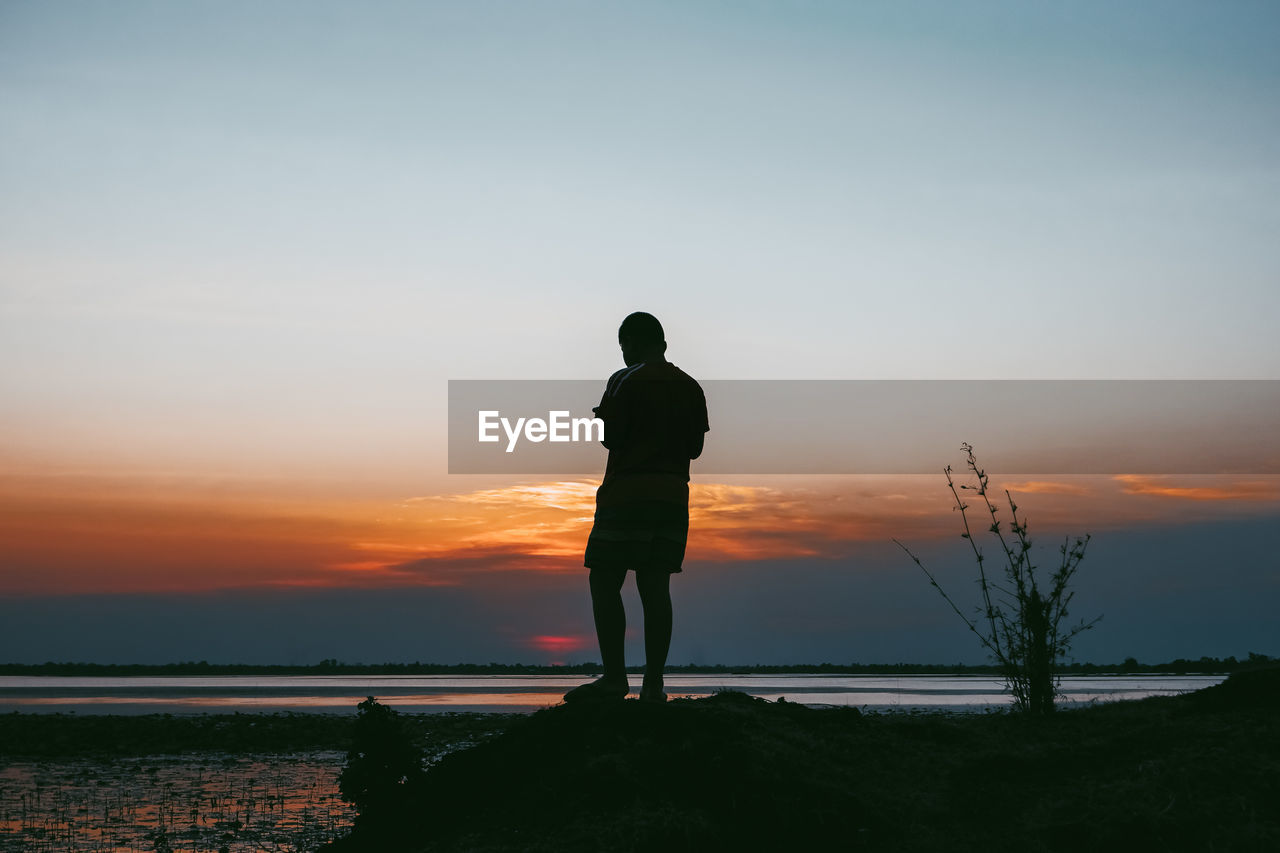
507 693
206 802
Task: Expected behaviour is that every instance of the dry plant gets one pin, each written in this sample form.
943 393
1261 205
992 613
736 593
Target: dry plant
1018 623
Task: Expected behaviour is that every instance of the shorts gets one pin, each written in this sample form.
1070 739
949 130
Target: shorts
645 535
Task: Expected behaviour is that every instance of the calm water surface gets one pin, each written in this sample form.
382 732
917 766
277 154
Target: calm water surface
505 693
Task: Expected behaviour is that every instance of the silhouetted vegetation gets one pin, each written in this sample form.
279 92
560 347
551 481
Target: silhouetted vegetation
205 802
383 766
1022 625
729 772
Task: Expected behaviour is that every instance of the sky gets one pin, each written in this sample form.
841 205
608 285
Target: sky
244 247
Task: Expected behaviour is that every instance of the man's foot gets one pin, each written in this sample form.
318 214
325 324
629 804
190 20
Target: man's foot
600 690
651 691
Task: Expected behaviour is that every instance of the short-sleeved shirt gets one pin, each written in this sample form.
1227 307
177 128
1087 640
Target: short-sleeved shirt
654 416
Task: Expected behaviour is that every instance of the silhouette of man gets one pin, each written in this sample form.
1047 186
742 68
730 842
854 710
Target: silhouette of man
654 417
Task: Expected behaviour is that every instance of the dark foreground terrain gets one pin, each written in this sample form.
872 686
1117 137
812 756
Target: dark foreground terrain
1197 772
1194 772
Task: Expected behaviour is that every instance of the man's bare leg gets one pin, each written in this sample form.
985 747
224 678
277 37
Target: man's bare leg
611 629
655 595
611 620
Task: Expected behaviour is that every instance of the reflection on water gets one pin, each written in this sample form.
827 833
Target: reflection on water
424 694
206 802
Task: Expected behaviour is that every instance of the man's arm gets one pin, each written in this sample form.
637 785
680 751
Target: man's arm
700 423
613 410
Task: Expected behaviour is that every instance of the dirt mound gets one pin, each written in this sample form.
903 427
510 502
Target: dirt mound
731 772
1251 688
726 769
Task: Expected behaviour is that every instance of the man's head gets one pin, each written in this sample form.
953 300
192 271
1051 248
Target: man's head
641 338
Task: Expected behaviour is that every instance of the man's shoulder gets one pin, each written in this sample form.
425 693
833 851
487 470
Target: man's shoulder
665 370
620 377
690 389
644 374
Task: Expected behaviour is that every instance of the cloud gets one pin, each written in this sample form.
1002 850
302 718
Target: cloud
1186 590
570 495
1047 487
1244 490
459 567
79 538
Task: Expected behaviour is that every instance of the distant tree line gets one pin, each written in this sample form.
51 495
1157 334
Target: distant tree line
331 666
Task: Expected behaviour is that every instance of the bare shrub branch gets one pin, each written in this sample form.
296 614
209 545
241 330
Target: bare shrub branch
1022 627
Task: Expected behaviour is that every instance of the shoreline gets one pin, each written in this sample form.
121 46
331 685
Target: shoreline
526 694
58 736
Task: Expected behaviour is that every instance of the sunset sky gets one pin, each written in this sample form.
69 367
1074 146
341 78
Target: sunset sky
244 247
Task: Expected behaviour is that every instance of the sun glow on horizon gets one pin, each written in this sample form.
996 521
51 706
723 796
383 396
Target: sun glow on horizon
65 538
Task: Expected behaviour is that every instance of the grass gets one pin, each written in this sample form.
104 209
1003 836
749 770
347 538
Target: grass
235 782
209 802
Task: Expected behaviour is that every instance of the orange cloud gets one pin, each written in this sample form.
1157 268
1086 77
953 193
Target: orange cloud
1247 490
1047 487
69 533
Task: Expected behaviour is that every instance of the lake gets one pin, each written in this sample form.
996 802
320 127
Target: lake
527 693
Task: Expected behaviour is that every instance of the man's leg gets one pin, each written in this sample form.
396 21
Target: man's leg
655 595
611 620
611 629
